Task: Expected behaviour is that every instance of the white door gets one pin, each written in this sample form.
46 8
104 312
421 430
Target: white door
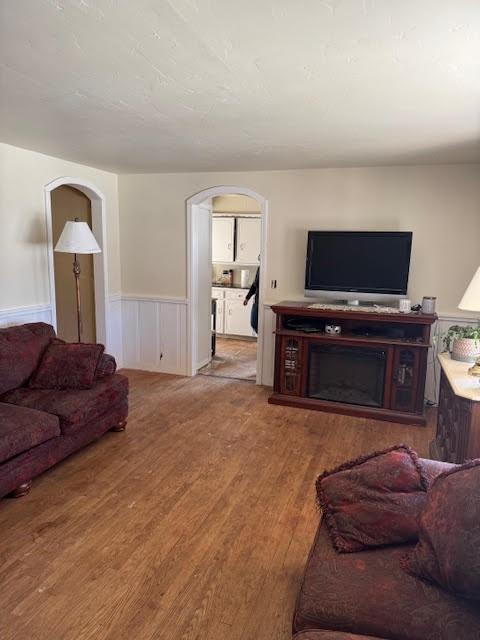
223 230
202 298
248 240
237 317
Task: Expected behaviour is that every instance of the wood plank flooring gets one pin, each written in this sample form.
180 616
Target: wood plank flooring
234 358
194 524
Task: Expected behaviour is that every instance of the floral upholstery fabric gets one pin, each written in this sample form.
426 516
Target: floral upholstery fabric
32 463
374 500
330 635
67 366
448 551
74 408
21 349
368 593
106 366
21 429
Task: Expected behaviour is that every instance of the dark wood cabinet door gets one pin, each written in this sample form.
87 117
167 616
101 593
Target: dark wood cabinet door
291 359
405 380
453 425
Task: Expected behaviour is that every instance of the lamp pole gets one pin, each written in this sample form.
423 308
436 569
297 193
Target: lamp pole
76 273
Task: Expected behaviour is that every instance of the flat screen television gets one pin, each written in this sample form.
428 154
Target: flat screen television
358 265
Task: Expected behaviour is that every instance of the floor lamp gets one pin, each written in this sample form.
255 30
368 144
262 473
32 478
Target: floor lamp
77 238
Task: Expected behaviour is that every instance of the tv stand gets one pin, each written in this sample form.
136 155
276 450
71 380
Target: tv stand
376 366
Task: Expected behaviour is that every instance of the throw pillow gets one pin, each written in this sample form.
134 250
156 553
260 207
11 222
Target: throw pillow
448 551
106 366
67 366
374 500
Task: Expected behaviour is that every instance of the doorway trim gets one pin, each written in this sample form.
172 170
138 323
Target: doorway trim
99 228
192 292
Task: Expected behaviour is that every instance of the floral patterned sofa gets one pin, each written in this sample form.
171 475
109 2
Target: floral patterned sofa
366 595
41 426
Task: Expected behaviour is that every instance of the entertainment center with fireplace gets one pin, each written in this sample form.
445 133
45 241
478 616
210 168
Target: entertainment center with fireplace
352 357
376 366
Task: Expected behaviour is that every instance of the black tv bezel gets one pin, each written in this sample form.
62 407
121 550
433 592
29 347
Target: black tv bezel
311 234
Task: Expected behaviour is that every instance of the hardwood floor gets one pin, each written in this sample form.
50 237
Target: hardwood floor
193 524
234 358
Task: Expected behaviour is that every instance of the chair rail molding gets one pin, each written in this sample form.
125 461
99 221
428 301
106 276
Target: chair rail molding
22 315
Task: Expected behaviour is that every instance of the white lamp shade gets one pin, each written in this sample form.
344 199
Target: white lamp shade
471 297
77 237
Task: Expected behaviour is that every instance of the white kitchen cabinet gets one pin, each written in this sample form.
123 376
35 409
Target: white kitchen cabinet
237 316
220 316
248 240
223 233
233 318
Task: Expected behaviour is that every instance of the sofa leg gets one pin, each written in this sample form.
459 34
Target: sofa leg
120 426
21 490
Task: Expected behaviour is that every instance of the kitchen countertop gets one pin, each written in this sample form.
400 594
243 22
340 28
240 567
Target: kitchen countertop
462 383
227 286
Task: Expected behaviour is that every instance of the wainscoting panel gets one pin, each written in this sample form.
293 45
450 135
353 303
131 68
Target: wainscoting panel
154 334
21 315
151 334
114 344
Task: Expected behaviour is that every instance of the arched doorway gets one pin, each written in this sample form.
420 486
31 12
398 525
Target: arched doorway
79 189
69 203
196 217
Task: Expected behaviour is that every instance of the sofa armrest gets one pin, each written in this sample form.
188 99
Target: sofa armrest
434 468
106 366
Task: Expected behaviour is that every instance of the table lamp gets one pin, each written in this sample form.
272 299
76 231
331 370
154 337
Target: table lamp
471 302
77 238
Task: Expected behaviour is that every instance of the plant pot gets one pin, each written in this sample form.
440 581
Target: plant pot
465 349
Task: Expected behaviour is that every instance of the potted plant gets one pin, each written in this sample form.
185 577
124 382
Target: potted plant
463 342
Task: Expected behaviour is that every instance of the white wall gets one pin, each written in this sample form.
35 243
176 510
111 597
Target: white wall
440 204
24 283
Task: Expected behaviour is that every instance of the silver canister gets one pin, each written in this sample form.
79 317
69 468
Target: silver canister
428 304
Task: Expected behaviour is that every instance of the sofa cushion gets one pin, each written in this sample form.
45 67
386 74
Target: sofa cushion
448 551
374 500
21 348
330 635
67 366
22 429
106 366
74 408
368 593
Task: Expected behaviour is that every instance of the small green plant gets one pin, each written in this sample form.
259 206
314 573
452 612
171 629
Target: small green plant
457 331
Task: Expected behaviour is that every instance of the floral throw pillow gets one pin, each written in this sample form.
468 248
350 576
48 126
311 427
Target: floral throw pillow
67 366
448 551
374 500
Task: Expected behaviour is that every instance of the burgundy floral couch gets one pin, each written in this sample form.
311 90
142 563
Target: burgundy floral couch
367 594
41 426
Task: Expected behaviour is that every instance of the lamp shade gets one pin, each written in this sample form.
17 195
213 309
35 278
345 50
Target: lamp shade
77 237
471 297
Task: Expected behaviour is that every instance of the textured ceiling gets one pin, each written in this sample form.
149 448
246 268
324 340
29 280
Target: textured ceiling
187 85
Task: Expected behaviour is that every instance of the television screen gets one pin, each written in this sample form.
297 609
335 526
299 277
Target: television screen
358 261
